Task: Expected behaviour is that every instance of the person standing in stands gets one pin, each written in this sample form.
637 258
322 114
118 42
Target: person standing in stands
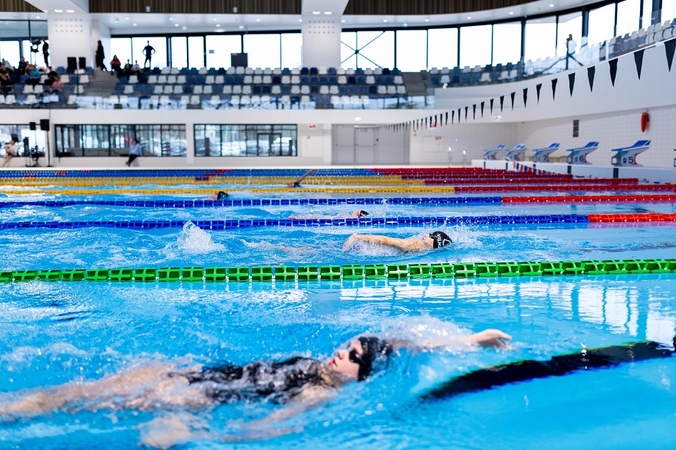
134 152
570 49
148 50
45 51
100 57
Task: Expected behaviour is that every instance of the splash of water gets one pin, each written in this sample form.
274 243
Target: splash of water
195 240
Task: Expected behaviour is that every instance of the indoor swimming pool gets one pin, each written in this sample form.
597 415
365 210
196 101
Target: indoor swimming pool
93 285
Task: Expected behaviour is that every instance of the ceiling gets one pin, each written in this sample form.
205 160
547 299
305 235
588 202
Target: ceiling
148 23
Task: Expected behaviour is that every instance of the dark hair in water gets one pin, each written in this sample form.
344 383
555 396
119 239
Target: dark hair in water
362 213
221 195
374 352
440 239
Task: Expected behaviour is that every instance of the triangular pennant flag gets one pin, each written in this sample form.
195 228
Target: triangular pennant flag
425 122
458 115
638 60
512 95
502 102
435 121
474 112
446 117
613 70
669 47
525 97
571 83
538 87
466 112
554 82
482 108
453 116
591 72
492 106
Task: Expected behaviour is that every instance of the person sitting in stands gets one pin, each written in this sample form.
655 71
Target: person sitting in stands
33 75
56 86
413 244
5 80
116 66
11 150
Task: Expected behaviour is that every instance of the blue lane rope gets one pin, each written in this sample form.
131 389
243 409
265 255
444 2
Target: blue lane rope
346 222
260 202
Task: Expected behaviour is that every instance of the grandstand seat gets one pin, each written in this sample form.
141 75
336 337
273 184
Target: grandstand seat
234 101
382 90
227 89
133 79
119 89
152 79
401 89
256 90
217 89
276 90
72 100
246 89
172 79
84 79
245 100
162 79
219 79
178 89
248 79
158 89
208 89
198 89
237 89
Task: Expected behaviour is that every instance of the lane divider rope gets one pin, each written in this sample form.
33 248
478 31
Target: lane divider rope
350 271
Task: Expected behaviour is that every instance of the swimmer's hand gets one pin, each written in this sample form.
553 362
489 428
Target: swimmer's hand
351 241
490 338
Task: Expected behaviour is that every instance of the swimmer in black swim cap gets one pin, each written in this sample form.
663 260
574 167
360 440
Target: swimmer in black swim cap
220 195
413 244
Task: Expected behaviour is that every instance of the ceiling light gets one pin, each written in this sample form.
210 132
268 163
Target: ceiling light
469 17
171 18
218 25
511 13
176 25
300 20
126 18
215 19
37 17
551 5
258 20
134 24
357 119
70 10
427 20
385 20
315 12
328 13
343 21
219 30
58 10
241 27
184 28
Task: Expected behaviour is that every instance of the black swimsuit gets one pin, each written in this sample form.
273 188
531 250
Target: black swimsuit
277 381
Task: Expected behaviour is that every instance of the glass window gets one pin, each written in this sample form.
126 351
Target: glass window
196 52
475 45
263 50
348 47
442 47
540 38
122 48
30 141
647 13
219 49
179 51
627 16
159 58
376 49
14 29
668 10
38 28
246 140
506 42
569 24
292 50
601 24
9 50
114 140
411 54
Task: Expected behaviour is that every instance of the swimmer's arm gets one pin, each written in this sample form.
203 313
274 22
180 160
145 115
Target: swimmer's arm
401 244
486 338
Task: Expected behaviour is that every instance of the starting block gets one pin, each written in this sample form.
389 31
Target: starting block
491 153
579 155
626 156
516 153
542 154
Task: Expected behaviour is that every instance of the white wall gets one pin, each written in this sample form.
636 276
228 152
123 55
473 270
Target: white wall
321 41
69 35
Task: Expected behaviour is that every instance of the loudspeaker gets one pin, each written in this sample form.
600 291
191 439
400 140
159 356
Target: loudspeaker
72 63
32 126
239 59
82 62
44 124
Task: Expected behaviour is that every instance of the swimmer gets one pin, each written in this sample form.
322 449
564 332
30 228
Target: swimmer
297 182
298 382
220 195
353 215
413 244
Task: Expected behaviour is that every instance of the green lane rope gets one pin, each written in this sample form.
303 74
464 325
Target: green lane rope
350 271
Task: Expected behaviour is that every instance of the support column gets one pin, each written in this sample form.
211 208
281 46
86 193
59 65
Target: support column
321 32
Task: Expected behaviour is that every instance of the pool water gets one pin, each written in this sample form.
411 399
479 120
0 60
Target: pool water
54 333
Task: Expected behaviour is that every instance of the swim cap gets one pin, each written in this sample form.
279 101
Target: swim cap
374 350
440 239
222 195
362 213
296 184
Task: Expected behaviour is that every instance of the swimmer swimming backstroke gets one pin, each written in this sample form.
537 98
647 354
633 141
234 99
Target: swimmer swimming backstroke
413 244
298 382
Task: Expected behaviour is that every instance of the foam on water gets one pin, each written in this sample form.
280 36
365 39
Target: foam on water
195 240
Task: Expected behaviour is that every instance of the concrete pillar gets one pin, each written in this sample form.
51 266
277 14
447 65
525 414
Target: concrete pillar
321 32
